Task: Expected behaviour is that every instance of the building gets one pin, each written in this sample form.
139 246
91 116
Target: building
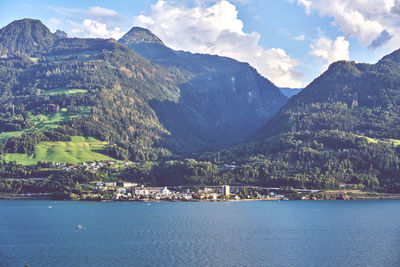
226 190
146 191
231 166
121 190
129 184
165 191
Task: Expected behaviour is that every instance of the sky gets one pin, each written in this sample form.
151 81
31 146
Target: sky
290 42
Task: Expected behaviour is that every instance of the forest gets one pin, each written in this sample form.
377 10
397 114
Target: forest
173 118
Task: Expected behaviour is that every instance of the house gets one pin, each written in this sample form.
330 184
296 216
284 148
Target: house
129 184
145 191
165 191
231 166
100 186
111 184
121 190
187 196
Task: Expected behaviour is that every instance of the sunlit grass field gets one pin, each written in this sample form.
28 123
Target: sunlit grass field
78 150
47 121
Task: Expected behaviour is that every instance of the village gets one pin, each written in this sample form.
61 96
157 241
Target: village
132 191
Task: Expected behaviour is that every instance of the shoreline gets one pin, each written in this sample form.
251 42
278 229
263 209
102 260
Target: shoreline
390 197
321 195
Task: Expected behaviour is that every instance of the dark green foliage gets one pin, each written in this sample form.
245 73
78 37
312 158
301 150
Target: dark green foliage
26 143
316 139
26 36
156 115
147 112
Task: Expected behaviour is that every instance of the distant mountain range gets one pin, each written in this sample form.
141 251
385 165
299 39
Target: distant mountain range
289 92
161 108
164 103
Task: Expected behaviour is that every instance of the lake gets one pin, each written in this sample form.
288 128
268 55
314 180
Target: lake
253 233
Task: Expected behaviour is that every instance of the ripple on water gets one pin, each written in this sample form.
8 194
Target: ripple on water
209 234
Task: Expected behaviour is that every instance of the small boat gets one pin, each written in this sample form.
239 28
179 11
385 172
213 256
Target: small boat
79 226
50 207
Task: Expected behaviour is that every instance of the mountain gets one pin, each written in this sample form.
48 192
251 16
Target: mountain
289 92
138 100
341 131
145 110
101 88
221 102
148 45
26 36
61 34
358 98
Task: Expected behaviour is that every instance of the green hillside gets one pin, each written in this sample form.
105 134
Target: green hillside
342 130
67 92
78 150
51 121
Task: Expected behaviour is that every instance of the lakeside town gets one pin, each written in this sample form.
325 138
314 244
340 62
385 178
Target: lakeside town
131 191
119 191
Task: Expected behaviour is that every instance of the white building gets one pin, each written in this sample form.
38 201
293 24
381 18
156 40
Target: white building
146 191
129 184
121 190
226 190
111 184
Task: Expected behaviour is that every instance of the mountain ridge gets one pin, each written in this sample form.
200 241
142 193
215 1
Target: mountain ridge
211 78
190 110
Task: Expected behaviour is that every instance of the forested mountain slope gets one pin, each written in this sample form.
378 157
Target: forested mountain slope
145 110
113 87
222 100
342 130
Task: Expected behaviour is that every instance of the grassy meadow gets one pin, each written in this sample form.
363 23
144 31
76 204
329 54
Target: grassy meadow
78 150
47 121
59 91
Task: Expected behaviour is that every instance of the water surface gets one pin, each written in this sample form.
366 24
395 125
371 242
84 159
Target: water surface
259 233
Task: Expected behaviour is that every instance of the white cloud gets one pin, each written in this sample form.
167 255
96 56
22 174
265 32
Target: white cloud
98 22
299 37
306 4
216 29
373 22
94 29
331 51
102 12
54 24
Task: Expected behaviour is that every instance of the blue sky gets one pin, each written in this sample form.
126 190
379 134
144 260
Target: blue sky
290 42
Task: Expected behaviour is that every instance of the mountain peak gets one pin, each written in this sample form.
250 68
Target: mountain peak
26 36
138 35
61 34
394 57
